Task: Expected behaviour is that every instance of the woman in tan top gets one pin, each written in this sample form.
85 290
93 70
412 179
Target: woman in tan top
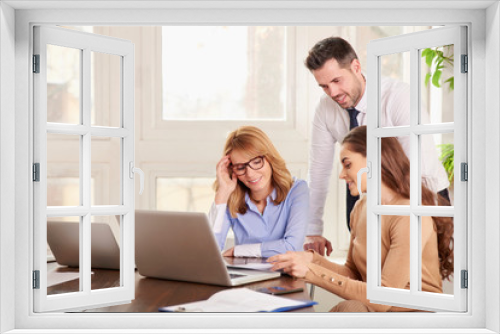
349 280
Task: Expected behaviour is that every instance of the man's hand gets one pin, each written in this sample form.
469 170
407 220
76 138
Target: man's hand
319 244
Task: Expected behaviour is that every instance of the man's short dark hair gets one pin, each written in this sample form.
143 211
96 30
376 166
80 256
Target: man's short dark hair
330 48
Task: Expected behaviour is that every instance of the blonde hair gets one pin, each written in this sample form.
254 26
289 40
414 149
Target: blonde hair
254 142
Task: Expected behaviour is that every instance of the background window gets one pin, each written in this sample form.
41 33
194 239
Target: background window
223 73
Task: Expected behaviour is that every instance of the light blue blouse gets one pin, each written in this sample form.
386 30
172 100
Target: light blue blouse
279 229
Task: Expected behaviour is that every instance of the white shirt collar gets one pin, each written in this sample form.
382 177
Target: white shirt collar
270 198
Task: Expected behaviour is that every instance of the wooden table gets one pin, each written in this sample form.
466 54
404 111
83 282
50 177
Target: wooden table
151 293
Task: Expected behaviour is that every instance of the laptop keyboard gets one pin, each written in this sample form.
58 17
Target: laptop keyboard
236 275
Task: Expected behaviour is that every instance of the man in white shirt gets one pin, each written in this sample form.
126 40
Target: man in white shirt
337 70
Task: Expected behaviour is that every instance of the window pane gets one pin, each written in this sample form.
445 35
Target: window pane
437 254
244 82
105 89
395 68
395 170
106 167
437 85
63 84
184 194
105 252
63 238
395 252
437 153
63 176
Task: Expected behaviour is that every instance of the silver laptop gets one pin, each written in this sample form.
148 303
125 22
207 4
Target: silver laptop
181 246
64 241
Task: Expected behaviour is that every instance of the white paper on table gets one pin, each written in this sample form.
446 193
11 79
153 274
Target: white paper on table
254 266
240 300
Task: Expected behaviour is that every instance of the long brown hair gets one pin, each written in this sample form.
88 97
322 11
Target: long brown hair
395 171
254 142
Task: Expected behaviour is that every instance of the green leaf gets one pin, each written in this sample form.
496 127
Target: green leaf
427 78
447 158
430 56
451 81
436 61
436 77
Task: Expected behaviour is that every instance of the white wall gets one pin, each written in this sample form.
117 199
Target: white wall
492 165
7 158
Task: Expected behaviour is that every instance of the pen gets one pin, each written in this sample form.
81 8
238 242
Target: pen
279 290
183 309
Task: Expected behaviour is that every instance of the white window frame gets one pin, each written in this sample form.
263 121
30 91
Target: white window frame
414 297
86 44
483 96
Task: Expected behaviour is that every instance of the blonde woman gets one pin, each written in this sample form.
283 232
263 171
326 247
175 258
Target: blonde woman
256 197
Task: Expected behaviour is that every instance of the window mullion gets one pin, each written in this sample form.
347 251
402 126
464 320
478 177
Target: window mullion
427 210
127 183
40 155
78 129
415 180
373 186
101 210
85 178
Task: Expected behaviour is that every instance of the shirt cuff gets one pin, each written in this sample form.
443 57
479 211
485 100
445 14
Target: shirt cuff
216 216
315 228
248 250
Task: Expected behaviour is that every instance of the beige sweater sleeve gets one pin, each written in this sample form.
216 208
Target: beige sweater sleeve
344 280
341 285
349 268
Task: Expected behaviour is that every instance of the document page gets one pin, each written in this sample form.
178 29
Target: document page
254 266
247 263
240 300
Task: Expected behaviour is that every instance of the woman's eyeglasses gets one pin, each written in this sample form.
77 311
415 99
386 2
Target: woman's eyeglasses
256 164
